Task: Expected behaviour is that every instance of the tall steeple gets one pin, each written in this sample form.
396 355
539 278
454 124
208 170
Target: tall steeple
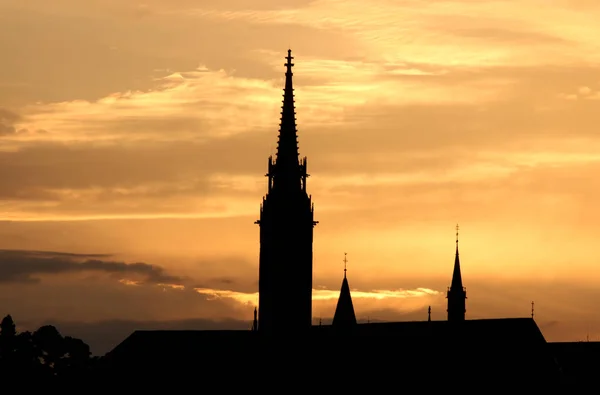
457 294
344 317
286 231
287 144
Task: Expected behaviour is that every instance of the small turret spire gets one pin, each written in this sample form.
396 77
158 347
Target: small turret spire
457 294
456 275
344 316
429 313
532 309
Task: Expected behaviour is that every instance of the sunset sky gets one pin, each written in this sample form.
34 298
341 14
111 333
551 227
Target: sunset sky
134 140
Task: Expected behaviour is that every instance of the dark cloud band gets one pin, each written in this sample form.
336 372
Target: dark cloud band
27 266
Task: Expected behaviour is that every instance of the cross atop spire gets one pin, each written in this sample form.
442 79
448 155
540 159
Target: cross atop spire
457 236
345 262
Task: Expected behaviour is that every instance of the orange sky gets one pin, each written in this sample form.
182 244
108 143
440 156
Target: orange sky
140 133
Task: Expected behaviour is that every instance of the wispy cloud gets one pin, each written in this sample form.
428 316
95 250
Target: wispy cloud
365 302
206 104
452 33
582 93
324 294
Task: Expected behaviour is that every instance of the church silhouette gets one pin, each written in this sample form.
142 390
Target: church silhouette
284 350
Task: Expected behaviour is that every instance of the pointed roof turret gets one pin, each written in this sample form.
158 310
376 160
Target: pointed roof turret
287 145
456 275
457 294
344 312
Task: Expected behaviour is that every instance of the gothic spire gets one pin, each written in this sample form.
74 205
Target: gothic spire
344 316
287 145
456 275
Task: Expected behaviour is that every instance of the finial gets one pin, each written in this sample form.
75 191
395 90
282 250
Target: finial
289 58
345 262
320 322
457 235
532 309
429 314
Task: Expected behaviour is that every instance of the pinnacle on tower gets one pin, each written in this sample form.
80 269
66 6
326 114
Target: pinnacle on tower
255 321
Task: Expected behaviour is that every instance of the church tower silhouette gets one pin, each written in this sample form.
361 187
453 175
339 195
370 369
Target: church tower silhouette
457 294
286 231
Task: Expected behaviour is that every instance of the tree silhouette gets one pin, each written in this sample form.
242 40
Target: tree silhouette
7 343
44 353
8 328
26 356
50 345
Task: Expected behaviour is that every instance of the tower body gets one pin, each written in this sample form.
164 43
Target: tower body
286 232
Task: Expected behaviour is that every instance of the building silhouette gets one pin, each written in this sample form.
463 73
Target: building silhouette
464 354
286 231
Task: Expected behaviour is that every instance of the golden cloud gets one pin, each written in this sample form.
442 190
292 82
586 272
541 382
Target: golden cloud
324 294
206 104
450 33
